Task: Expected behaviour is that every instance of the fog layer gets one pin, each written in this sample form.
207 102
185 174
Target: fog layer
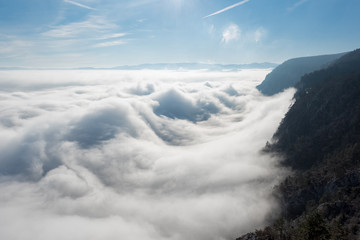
129 155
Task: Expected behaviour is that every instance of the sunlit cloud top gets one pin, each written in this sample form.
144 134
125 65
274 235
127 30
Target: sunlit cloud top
67 33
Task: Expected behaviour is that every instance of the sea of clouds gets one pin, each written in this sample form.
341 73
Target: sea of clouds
132 155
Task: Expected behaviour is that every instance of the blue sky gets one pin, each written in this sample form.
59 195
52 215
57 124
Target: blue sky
106 33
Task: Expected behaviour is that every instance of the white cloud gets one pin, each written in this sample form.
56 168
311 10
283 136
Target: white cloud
141 20
135 154
211 29
227 8
14 46
259 34
110 43
92 27
87 33
84 34
113 35
231 33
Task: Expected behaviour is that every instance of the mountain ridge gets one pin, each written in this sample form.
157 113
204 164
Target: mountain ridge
319 139
289 73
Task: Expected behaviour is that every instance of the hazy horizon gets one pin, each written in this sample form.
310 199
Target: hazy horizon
161 66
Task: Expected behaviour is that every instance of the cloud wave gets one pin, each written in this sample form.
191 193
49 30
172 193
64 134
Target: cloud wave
135 154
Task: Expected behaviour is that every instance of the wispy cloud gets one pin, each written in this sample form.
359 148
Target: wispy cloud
79 4
89 28
227 8
14 46
259 34
114 35
231 33
296 5
141 20
92 32
139 3
110 43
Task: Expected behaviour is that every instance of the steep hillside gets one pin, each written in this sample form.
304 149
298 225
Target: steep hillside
319 139
289 73
325 117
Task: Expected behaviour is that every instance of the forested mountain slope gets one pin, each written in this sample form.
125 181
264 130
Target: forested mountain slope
289 73
319 139
325 116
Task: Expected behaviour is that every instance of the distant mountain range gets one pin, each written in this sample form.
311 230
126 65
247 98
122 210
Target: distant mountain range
194 66
290 72
167 66
319 139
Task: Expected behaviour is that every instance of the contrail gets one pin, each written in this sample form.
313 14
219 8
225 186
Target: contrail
227 8
299 3
79 4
